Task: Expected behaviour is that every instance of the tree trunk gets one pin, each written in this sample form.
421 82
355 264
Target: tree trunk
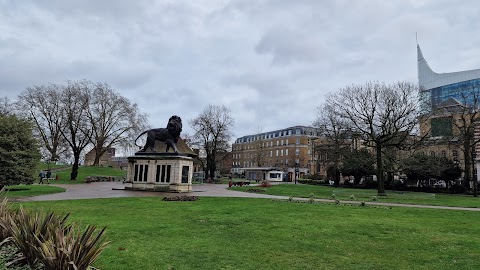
381 186
73 175
98 155
336 177
96 162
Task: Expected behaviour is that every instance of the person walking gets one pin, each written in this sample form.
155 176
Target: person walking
48 175
41 175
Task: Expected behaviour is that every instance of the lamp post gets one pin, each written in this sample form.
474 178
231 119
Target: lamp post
314 161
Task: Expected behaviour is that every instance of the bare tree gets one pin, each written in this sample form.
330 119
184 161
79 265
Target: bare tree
213 132
42 104
336 133
383 115
6 107
77 132
113 119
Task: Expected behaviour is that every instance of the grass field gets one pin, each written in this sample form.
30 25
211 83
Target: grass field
239 233
20 191
326 192
83 172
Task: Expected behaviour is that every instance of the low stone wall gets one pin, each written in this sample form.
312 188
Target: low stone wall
90 179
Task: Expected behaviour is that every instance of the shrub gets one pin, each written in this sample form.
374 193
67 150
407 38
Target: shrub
457 189
265 184
46 240
5 213
71 248
25 229
311 182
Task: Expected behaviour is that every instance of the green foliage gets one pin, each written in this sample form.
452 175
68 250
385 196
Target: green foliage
312 182
358 163
70 248
451 171
46 240
26 229
19 153
423 167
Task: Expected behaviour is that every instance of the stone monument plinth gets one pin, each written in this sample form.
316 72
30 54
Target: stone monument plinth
158 170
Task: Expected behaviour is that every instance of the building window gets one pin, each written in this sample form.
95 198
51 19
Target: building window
185 170
455 155
281 143
135 175
163 173
145 174
278 142
297 152
286 152
444 153
159 173
432 153
297 141
277 153
297 131
281 152
140 173
286 142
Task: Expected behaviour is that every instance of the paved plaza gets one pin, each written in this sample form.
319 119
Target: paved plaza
116 190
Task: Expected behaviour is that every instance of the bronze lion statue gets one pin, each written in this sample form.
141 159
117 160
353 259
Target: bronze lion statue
169 135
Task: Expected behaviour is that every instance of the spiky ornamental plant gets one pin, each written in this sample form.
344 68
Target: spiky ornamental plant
26 227
72 249
47 240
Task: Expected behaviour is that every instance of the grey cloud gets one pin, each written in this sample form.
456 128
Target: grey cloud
287 45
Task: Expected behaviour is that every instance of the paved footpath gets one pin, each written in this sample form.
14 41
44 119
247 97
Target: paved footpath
116 190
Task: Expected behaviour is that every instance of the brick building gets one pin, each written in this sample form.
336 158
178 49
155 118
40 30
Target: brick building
288 150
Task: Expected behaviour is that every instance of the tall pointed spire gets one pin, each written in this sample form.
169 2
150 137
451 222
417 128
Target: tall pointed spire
428 79
425 73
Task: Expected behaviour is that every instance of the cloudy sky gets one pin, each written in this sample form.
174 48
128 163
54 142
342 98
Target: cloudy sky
270 61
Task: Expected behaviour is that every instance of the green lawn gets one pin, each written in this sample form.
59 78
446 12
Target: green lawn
326 192
84 171
19 191
240 233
